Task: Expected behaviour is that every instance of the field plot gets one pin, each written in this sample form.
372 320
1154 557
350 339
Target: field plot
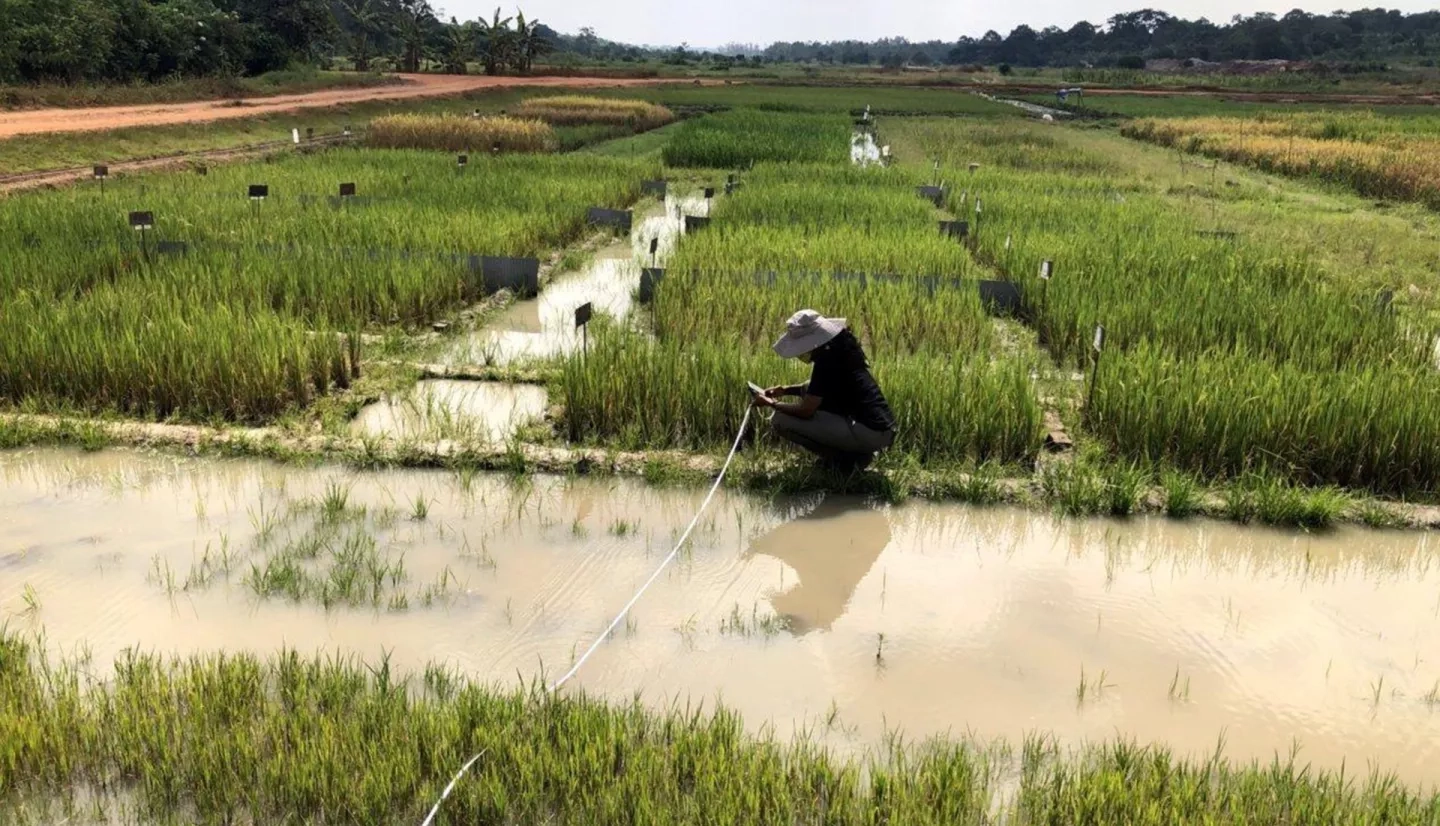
745 136
225 308
1225 356
779 98
1396 157
226 640
861 244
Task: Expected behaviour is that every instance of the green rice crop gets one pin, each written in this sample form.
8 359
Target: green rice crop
857 243
744 136
1222 413
817 236
232 738
242 326
1221 354
639 393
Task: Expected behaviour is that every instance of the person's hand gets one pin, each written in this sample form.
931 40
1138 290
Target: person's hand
762 399
776 392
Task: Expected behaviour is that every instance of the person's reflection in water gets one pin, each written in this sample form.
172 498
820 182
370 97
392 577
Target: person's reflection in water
830 549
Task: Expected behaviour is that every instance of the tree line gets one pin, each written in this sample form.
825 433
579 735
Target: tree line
152 40
126 41
1128 39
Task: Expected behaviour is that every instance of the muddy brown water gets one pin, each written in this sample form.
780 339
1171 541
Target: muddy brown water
1185 632
461 410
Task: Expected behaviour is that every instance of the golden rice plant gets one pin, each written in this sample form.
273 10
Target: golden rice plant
574 110
1382 157
453 133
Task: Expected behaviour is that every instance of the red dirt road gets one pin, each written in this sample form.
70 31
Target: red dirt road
36 121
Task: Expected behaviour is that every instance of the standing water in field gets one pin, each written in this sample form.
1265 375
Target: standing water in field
459 410
863 149
544 326
824 613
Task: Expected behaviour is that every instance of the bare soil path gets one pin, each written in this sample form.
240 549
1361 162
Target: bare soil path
37 121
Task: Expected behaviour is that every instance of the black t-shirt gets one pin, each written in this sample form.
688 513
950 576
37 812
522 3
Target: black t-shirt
846 388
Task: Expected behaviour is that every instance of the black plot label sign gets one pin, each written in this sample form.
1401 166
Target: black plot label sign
1046 267
259 192
654 245
709 192
583 313
347 190
462 160
102 172
142 220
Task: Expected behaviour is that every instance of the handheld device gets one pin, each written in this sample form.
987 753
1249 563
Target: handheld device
755 388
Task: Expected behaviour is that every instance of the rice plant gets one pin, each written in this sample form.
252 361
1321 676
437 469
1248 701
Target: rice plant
253 310
740 137
639 393
1221 356
454 133
233 738
569 110
1376 155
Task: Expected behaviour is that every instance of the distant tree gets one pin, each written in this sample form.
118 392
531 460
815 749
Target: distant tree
415 19
459 47
369 23
1005 69
920 58
495 43
1022 47
281 32
1131 61
529 43
587 42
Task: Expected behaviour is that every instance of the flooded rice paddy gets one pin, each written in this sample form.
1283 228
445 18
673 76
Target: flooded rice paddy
544 326
821 614
461 410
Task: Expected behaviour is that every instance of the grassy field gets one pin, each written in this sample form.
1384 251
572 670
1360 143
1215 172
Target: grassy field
240 326
233 738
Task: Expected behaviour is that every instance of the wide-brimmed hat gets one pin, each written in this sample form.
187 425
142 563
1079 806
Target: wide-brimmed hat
805 331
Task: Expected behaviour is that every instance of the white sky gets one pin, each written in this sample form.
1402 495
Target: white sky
709 24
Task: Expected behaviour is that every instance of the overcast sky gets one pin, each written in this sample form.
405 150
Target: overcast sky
704 23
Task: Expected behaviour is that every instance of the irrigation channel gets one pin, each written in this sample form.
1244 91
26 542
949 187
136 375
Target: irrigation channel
529 330
818 613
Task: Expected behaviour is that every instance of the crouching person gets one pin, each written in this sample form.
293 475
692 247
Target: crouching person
841 415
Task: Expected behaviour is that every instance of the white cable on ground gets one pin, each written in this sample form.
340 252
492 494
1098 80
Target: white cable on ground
664 563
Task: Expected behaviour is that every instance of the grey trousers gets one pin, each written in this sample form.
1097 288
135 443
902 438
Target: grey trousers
828 434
